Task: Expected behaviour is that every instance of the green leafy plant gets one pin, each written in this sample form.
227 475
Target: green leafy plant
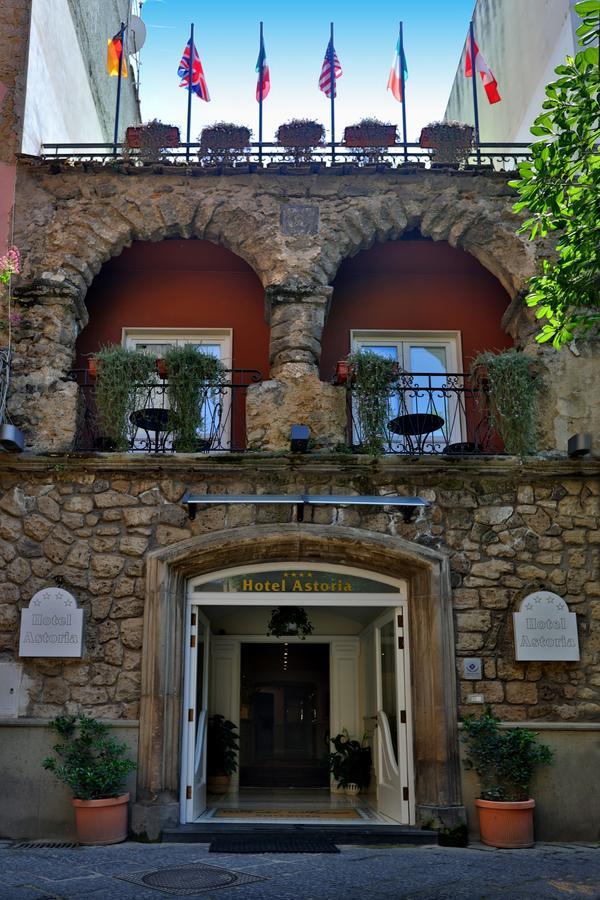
451 142
121 387
192 377
373 378
504 759
224 142
148 142
221 746
300 137
509 383
371 138
453 836
88 759
289 620
350 762
559 189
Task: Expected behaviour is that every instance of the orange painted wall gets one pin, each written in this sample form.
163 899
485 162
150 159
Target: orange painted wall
416 285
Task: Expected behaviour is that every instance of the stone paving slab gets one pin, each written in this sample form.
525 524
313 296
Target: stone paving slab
402 873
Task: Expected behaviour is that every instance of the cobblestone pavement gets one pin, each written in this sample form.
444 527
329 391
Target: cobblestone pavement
422 873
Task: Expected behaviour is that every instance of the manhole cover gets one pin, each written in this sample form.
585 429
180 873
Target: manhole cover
189 880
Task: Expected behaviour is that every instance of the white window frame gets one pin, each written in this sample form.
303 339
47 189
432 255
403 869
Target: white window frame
450 340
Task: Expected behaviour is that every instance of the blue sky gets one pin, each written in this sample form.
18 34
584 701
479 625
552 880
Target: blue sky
296 36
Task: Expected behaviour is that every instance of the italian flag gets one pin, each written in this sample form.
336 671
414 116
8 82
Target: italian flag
487 76
398 73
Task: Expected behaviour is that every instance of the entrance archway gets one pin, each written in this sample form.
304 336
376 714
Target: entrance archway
433 692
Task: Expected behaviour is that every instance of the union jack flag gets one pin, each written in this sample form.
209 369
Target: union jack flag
198 80
327 83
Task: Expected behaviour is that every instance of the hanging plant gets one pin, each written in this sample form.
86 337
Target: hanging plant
288 621
121 387
192 377
373 379
509 384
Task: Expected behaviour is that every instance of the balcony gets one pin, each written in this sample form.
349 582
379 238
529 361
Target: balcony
148 427
424 413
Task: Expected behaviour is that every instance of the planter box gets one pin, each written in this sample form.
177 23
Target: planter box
166 136
299 135
237 138
371 136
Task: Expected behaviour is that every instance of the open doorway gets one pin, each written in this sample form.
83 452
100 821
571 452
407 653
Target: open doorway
284 715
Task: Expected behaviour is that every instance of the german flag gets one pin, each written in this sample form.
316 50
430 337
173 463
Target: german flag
114 53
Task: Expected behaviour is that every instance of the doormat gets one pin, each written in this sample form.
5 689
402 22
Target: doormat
224 813
272 843
189 880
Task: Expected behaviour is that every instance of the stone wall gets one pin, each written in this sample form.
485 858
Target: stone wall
507 529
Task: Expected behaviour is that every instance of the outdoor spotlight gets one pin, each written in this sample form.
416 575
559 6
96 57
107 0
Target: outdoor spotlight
299 437
11 438
579 444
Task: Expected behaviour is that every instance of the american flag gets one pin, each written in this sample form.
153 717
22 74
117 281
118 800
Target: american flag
327 83
198 80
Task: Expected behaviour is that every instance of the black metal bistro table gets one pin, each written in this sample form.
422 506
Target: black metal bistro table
155 420
415 427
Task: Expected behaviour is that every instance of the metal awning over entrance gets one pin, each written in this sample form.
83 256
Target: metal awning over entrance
407 505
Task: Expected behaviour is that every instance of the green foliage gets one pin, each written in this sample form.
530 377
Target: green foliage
121 388
192 375
287 620
221 746
373 378
351 761
509 385
559 188
224 142
450 141
457 836
504 759
87 759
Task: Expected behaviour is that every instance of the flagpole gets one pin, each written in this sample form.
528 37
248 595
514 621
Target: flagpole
473 75
260 98
332 67
117 110
189 109
403 88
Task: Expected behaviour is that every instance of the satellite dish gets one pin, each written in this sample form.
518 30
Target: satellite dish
136 34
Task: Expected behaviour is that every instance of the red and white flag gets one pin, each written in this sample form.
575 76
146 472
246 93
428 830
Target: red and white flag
487 76
327 79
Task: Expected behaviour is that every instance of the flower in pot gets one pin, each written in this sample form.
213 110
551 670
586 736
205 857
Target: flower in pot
373 379
94 765
123 378
222 745
508 386
350 763
148 142
300 137
451 142
194 378
372 137
224 143
505 761
289 621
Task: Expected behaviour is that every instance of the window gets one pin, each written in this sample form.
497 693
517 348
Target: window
216 402
425 361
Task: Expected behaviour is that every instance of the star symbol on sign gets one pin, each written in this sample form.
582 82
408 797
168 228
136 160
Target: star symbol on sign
529 606
68 602
36 602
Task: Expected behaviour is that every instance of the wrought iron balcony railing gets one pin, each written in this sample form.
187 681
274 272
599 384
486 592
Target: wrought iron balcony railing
148 427
497 156
424 413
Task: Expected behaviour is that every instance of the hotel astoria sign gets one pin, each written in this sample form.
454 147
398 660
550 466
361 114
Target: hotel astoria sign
545 630
52 625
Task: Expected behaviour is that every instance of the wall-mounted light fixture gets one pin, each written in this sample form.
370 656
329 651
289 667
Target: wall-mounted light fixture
299 437
12 439
579 444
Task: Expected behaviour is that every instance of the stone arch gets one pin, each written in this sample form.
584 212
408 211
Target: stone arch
437 774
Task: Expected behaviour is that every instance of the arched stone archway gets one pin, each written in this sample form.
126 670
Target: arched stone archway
437 777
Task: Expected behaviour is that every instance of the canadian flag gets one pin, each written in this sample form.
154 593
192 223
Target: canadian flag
487 76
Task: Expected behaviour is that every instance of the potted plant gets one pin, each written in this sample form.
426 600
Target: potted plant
224 143
122 381
221 753
508 384
451 142
288 621
192 377
94 765
149 141
300 137
372 137
504 760
350 763
373 379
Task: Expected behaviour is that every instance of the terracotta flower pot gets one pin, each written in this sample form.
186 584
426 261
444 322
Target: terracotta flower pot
218 784
370 135
506 825
161 368
92 366
342 371
168 135
101 821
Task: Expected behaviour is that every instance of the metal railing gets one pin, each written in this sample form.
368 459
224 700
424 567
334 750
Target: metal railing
495 156
149 427
424 413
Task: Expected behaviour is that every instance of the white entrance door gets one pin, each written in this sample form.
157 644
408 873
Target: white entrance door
195 713
392 745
